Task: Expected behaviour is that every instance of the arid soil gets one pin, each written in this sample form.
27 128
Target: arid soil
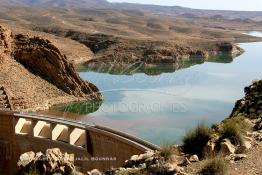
250 166
76 52
114 50
114 36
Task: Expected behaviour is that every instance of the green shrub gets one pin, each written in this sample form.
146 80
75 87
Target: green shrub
166 151
215 166
195 140
241 122
234 128
232 131
215 127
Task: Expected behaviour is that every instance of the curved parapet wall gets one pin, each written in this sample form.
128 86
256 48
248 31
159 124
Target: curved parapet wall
94 146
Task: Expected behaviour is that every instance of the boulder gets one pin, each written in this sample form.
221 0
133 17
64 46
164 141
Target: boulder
244 147
26 159
210 147
147 155
249 139
194 158
136 160
154 163
68 162
238 157
257 135
94 172
226 147
211 144
53 161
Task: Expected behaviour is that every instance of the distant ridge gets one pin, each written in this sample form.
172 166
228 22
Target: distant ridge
161 10
58 3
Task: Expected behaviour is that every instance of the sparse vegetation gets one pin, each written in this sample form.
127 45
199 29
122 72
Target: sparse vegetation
195 140
233 129
140 172
166 151
215 166
135 172
32 171
232 132
215 127
76 173
241 122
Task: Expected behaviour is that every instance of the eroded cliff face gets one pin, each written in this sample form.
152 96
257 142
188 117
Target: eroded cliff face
44 59
250 106
36 72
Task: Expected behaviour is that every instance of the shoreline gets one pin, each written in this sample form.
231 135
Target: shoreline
153 59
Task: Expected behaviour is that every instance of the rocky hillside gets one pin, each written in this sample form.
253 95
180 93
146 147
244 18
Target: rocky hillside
109 49
250 106
156 9
34 74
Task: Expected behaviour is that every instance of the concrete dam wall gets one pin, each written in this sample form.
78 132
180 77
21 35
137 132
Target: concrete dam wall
93 146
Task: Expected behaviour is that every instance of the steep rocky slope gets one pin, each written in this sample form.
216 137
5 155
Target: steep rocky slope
35 75
250 106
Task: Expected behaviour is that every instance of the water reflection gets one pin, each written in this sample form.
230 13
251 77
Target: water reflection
152 69
158 103
79 108
124 84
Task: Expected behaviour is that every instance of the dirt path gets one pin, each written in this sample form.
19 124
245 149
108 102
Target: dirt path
252 165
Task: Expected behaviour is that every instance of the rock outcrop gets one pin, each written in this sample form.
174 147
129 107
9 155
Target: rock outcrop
250 106
226 147
230 48
36 75
53 161
5 38
151 163
45 60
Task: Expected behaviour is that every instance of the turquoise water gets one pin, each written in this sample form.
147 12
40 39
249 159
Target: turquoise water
160 103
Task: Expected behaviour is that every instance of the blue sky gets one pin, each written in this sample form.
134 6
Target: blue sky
247 5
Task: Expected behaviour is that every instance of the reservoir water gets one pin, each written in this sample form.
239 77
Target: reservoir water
159 103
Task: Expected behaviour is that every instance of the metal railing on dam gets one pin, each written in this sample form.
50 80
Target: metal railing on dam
93 146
